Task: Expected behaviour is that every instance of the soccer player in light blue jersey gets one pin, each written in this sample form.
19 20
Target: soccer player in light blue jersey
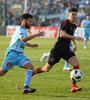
86 25
66 66
14 54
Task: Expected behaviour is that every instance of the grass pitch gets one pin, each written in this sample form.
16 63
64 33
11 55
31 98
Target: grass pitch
52 85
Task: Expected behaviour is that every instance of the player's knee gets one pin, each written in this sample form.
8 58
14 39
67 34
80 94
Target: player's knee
30 68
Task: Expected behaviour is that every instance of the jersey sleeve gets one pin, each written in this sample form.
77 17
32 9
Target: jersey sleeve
64 26
83 22
22 33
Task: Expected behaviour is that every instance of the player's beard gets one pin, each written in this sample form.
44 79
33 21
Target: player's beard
27 26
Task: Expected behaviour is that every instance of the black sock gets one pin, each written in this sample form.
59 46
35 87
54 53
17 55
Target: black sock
74 82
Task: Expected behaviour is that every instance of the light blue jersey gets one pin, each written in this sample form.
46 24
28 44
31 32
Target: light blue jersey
86 22
86 28
16 43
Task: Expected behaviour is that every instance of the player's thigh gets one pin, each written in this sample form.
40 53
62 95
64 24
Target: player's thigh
52 60
24 62
54 57
73 61
9 62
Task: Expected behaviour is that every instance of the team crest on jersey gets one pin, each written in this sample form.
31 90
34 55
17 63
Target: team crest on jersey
9 64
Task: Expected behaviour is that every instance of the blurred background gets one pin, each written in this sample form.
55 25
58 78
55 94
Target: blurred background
46 12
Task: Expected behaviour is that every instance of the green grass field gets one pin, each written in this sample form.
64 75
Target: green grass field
52 85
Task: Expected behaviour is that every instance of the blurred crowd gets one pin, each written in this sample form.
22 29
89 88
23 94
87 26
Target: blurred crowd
45 12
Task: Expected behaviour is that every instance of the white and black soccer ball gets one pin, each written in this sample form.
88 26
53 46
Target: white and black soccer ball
76 74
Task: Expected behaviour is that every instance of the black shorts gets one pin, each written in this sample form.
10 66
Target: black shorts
58 53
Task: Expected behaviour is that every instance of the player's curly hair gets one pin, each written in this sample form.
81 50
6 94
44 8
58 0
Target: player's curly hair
73 10
26 16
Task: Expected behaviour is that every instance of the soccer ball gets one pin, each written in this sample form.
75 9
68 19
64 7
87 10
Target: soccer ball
76 74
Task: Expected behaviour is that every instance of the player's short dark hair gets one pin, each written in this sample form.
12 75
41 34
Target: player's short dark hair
26 16
73 10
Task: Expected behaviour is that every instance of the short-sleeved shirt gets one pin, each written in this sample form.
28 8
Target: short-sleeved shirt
86 29
14 55
61 48
86 22
69 28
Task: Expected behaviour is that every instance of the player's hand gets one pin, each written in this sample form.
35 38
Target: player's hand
41 33
79 39
74 49
34 45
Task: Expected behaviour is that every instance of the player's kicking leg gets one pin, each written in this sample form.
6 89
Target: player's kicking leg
74 62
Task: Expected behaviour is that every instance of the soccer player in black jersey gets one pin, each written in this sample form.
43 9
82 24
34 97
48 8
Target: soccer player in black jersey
61 48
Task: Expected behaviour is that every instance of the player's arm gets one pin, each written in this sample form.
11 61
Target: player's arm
74 47
83 24
32 45
27 38
63 34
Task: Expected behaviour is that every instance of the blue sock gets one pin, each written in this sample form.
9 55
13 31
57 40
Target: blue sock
66 64
85 43
28 77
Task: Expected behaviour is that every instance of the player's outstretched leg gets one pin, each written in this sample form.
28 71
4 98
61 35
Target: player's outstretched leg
41 69
66 67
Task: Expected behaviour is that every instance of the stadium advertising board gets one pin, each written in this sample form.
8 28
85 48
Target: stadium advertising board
10 30
50 31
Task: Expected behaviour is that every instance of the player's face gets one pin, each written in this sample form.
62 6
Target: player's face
72 16
28 23
88 17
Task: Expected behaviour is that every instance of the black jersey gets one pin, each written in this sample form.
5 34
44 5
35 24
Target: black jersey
69 28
